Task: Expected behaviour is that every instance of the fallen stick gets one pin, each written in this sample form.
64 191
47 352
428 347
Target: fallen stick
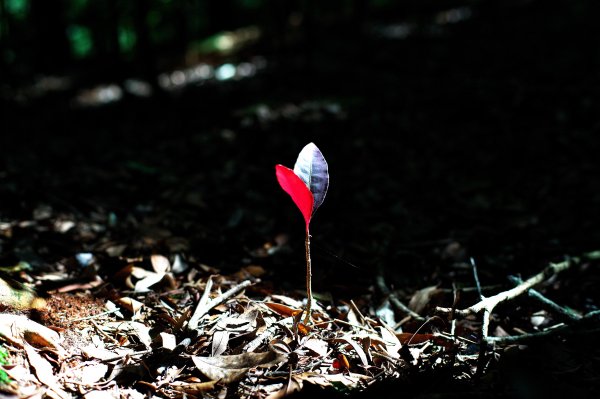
487 305
205 306
574 328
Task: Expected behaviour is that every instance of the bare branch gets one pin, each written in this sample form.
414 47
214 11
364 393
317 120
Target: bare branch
487 305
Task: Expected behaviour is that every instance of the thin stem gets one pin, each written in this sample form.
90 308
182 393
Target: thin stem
308 279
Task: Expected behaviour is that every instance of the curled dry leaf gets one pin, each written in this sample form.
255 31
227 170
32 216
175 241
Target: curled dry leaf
44 372
357 348
19 329
194 388
231 368
141 331
160 264
283 310
422 297
318 346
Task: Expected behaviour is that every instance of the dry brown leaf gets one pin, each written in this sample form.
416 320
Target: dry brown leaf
283 310
357 348
219 342
169 341
131 328
293 385
391 341
44 372
130 304
160 264
349 380
194 388
19 329
231 368
318 346
422 297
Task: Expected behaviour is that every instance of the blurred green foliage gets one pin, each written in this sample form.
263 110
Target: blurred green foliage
4 379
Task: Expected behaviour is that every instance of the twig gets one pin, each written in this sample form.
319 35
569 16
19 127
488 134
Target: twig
203 309
476 277
487 305
562 329
265 335
96 315
379 280
195 319
561 310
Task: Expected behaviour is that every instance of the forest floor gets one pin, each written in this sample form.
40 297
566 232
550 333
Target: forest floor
146 248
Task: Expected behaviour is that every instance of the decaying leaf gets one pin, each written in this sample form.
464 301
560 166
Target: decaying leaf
160 264
19 329
357 348
134 306
349 380
141 331
193 388
283 310
422 297
231 368
169 342
318 346
219 342
44 372
292 385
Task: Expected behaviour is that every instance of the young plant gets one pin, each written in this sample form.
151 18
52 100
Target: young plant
307 184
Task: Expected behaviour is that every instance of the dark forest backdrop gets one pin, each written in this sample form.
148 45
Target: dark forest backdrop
453 129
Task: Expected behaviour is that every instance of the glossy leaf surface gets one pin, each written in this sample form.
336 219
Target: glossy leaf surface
297 189
312 168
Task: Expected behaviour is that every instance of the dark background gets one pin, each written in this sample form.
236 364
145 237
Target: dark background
453 129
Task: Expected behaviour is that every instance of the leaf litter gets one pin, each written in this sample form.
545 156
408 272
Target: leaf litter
197 334
167 325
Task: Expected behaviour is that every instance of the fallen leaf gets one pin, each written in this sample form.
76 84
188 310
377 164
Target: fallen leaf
318 346
160 264
421 298
92 373
357 348
219 342
169 341
19 329
131 328
44 372
293 385
194 388
283 310
130 304
231 368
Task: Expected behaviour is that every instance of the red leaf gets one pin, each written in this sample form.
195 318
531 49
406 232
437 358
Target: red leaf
297 189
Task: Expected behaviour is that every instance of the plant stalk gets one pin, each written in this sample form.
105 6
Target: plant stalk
307 318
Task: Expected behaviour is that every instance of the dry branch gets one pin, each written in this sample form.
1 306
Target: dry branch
487 305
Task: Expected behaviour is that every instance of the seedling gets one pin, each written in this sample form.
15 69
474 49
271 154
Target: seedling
307 184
